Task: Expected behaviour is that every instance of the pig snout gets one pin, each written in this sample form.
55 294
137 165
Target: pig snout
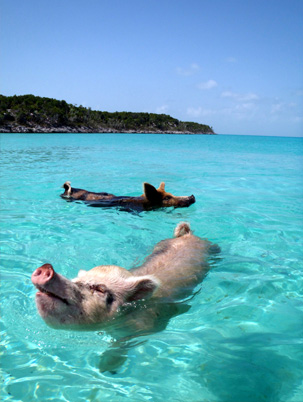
43 275
187 201
59 300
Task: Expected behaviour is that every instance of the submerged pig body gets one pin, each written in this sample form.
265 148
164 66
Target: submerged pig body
107 295
151 198
178 264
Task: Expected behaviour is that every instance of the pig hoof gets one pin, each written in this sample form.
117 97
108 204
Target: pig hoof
111 360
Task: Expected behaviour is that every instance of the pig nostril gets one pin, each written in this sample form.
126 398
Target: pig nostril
38 272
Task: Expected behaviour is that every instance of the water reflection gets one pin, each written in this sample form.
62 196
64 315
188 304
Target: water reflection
252 373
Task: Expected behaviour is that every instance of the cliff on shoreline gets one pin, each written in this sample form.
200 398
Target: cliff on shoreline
34 114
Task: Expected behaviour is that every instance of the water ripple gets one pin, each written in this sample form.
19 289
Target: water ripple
241 339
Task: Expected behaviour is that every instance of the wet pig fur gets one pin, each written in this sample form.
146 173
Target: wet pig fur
150 199
126 302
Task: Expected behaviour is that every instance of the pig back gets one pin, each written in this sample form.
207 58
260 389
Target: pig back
179 264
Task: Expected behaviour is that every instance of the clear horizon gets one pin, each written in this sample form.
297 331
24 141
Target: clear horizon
236 66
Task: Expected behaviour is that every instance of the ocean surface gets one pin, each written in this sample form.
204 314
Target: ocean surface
242 338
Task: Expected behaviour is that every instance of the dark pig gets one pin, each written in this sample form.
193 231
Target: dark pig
151 198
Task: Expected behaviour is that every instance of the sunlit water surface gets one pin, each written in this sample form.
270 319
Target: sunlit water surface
241 340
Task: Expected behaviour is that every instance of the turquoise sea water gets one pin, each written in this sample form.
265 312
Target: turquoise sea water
241 340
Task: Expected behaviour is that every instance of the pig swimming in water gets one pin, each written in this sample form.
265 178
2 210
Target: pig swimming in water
108 297
126 304
151 198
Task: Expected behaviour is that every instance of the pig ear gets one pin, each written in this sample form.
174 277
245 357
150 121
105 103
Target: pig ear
151 193
162 186
81 273
141 287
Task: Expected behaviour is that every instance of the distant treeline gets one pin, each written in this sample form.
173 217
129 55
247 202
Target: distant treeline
31 112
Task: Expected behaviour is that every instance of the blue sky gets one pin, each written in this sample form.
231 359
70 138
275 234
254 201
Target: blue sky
233 64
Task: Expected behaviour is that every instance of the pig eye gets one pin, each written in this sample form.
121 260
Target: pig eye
101 288
167 197
98 288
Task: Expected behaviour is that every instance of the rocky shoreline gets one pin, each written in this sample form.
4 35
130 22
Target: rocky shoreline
34 114
36 128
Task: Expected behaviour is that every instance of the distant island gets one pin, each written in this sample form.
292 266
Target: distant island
34 114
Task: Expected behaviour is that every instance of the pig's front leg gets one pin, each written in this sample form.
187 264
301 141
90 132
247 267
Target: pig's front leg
140 322
116 355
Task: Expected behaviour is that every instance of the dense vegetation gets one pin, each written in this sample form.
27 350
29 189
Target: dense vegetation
29 113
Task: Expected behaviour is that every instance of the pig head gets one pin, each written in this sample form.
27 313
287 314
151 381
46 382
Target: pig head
152 198
94 297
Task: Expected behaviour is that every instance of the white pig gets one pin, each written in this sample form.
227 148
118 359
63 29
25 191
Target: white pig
112 298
